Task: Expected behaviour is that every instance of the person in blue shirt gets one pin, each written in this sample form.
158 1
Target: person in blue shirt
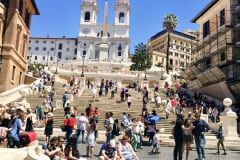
108 151
201 126
14 131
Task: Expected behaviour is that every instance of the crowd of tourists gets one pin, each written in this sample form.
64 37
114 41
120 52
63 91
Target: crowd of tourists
83 127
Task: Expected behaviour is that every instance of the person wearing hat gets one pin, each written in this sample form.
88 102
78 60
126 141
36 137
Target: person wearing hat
220 137
108 151
48 126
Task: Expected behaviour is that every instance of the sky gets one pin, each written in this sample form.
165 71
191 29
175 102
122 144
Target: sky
62 17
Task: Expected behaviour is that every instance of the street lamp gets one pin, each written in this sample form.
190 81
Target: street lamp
145 77
83 57
56 72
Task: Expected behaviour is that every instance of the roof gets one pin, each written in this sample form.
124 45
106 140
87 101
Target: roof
35 7
204 10
173 32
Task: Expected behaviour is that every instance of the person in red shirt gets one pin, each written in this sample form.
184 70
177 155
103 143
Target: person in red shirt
69 123
174 103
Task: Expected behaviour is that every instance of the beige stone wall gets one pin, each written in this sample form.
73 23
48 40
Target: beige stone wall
15 46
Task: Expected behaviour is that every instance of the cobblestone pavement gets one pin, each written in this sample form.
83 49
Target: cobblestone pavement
167 154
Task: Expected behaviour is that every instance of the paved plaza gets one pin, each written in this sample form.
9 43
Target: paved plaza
167 154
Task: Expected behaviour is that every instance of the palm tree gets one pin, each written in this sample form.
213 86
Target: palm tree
141 59
169 23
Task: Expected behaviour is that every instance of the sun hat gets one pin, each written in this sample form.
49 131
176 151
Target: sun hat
49 115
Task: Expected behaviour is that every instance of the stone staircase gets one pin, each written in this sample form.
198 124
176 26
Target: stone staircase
105 104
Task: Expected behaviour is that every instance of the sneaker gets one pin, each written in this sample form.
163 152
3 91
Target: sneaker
224 153
217 152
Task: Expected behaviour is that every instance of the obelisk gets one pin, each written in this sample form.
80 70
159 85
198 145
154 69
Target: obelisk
103 47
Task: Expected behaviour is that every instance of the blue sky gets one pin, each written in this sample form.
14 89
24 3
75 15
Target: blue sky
61 17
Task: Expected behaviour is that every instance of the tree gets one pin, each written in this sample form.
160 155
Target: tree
141 59
169 23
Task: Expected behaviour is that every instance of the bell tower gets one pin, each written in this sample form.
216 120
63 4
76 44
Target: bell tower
89 10
122 12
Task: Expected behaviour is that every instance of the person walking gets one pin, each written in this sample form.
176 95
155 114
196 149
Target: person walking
90 139
82 122
129 101
64 99
220 137
48 131
201 126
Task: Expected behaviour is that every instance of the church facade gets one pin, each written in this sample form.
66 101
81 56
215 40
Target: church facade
95 41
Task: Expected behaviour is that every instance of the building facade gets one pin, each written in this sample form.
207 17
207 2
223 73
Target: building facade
219 44
95 41
15 20
180 49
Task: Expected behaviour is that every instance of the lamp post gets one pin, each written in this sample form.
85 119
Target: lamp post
83 57
56 72
145 77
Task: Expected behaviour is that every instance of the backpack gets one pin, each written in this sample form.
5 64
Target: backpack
115 130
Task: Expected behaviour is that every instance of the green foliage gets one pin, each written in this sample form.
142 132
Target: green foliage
170 22
142 59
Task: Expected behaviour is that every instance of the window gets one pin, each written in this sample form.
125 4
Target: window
52 42
171 61
223 56
156 58
28 57
121 17
67 49
36 48
44 48
51 58
36 41
59 55
170 53
222 17
87 17
119 50
44 41
30 41
20 78
18 37
60 46
35 57
176 62
23 48
29 48
206 29
181 64
75 51
43 58
52 49
182 55
176 54
177 47
13 72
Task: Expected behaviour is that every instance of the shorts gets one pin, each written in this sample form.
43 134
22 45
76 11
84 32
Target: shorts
187 138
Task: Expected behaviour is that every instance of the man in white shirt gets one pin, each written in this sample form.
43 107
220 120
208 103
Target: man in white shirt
82 122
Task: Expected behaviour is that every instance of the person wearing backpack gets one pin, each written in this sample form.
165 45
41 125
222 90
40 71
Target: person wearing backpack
64 99
116 129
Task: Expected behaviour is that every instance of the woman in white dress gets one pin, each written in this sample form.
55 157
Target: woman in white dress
90 139
168 108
